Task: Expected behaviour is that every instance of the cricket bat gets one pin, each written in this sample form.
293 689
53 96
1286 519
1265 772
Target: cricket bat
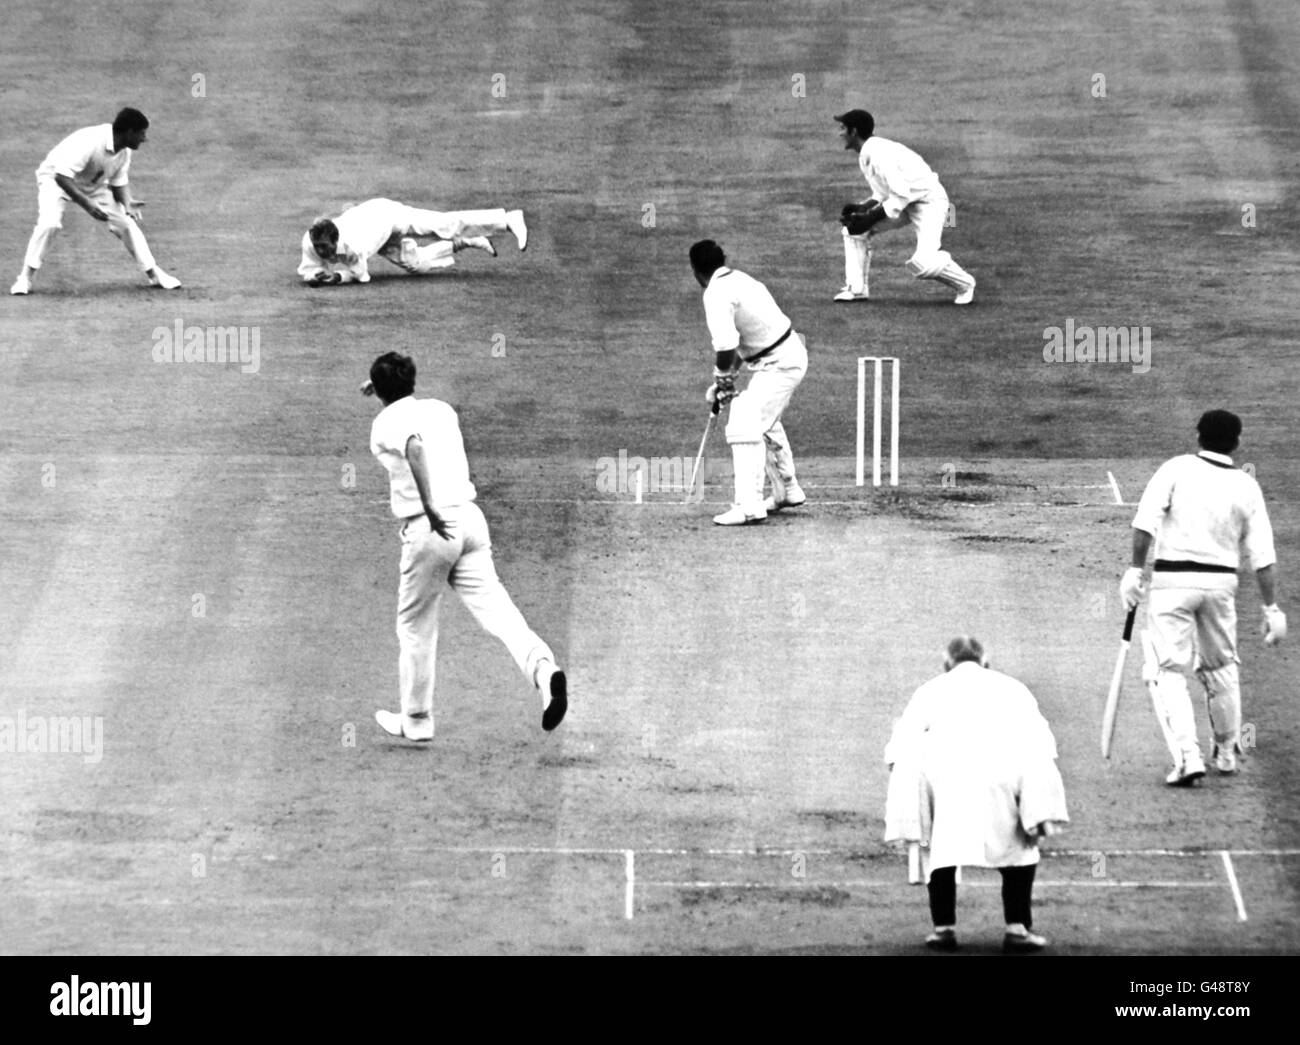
699 457
1112 698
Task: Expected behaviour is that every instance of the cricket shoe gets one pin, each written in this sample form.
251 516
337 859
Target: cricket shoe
22 285
1225 759
161 279
849 294
1186 774
738 516
477 243
944 939
553 712
1020 940
793 498
418 729
967 295
516 224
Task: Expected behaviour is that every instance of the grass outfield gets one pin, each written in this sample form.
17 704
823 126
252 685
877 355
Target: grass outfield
200 555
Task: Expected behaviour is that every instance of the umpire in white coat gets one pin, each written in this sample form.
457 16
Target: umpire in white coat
974 781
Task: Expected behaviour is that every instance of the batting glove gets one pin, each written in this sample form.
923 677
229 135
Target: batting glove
1131 588
1274 625
722 391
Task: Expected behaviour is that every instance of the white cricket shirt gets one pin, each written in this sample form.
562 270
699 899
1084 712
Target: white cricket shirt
438 427
896 175
87 157
1202 508
363 232
741 313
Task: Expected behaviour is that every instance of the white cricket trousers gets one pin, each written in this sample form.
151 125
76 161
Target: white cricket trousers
446 225
50 205
755 419
431 565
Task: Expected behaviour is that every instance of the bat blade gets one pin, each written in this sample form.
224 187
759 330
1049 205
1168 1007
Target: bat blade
699 459
1116 681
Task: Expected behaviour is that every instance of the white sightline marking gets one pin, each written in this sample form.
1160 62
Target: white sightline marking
1114 487
639 474
629 869
1232 881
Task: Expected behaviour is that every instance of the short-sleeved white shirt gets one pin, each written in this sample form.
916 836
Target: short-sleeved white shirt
1202 508
896 175
87 157
742 314
438 427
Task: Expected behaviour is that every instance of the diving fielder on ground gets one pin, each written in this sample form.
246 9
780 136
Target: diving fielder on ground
747 326
1198 510
338 250
904 191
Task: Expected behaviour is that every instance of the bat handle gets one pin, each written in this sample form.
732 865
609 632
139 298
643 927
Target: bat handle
1128 624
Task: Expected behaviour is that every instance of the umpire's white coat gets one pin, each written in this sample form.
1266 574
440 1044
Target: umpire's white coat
974 769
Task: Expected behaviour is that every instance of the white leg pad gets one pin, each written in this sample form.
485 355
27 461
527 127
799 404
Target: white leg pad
749 461
857 261
1223 699
1173 707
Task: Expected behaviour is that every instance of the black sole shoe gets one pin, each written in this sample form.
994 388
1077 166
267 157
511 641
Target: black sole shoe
554 713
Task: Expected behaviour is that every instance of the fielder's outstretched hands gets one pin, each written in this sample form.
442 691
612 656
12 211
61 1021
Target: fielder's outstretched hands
1131 588
1274 625
325 279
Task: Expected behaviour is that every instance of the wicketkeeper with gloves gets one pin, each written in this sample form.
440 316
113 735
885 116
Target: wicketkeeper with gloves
747 326
1199 510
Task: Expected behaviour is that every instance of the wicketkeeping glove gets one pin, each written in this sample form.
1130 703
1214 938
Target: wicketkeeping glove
1274 625
860 217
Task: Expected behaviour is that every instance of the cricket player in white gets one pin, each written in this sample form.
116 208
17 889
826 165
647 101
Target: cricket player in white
904 191
89 168
748 327
1199 510
973 779
338 250
445 543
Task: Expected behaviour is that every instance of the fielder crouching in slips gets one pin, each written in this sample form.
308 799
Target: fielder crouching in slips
973 780
748 327
445 543
1199 510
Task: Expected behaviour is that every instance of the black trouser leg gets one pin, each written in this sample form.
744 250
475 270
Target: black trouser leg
1017 894
943 895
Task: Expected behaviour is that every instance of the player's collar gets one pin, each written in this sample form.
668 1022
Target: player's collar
1222 460
718 273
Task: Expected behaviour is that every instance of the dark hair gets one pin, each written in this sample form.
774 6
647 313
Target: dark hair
859 120
324 229
130 120
393 376
965 647
1219 430
707 257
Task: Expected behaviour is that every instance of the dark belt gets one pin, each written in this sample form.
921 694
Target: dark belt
1185 566
772 347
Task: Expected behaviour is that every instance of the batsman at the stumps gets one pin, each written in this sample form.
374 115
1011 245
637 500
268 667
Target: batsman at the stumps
1199 510
747 326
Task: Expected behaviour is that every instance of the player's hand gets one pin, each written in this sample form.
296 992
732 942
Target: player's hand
721 392
325 279
1131 588
133 211
439 525
1274 625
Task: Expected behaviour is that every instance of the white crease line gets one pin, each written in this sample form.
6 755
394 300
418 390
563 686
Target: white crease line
891 883
1115 487
1232 881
